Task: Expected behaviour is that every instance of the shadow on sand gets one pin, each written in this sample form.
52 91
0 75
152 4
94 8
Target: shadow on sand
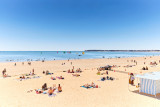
148 95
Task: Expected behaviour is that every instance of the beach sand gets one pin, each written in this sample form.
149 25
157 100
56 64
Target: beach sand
117 93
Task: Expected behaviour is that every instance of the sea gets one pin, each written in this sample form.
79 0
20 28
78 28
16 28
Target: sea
21 56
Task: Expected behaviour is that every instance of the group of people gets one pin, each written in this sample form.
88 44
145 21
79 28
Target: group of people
51 90
107 78
153 63
92 85
145 68
77 71
32 73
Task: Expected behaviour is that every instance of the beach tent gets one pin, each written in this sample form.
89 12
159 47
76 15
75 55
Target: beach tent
150 83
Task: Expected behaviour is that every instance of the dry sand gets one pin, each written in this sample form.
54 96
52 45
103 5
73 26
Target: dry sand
115 93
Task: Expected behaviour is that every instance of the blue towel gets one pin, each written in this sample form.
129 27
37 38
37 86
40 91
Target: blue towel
86 87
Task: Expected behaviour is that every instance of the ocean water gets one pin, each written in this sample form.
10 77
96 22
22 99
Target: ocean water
20 56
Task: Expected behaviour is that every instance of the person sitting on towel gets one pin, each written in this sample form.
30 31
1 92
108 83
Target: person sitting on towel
50 91
93 85
44 87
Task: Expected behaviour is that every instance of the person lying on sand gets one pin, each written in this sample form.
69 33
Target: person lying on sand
60 77
53 78
6 75
98 73
89 86
103 78
76 75
39 91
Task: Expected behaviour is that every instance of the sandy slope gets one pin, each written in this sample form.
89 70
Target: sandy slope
111 94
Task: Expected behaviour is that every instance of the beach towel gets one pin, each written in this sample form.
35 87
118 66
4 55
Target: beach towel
36 77
86 87
44 92
60 78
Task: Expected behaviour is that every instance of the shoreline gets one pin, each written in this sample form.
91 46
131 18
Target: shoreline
81 59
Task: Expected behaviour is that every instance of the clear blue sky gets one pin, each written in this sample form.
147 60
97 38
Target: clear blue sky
79 24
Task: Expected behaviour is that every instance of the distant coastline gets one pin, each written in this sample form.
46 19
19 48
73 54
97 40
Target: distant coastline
124 50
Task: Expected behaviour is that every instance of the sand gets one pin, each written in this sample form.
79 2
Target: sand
117 93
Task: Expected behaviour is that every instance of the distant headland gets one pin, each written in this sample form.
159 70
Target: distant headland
126 50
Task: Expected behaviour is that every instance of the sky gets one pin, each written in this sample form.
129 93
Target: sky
55 25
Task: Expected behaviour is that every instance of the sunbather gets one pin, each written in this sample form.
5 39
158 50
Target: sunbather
93 85
53 78
44 87
98 73
47 72
33 72
59 88
22 77
76 75
87 85
61 77
103 78
54 87
39 91
50 91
